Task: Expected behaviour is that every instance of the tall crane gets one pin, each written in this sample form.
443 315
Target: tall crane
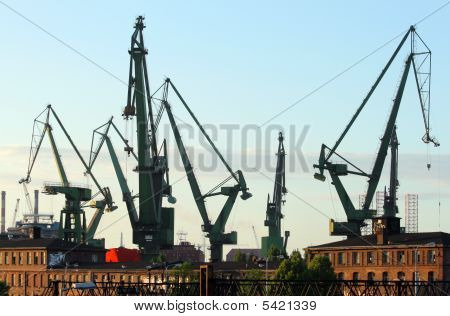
215 232
72 218
420 61
16 209
155 223
273 210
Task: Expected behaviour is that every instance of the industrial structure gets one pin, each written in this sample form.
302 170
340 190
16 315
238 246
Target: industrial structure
411 213
419 60
273 210
72 226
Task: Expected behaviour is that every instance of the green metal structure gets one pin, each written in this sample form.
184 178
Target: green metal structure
420 61
273 211
215 232
154 226
72 217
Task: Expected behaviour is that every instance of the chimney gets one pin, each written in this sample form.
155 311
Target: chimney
380 232
2 227
36 206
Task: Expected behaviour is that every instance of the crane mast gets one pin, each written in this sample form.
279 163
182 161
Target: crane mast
154 228
418 60
273 210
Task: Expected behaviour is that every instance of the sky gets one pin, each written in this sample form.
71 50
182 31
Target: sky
238 65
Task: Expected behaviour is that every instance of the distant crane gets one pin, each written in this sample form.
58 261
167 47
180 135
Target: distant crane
72 218
16 209
420 61
256 237
273 209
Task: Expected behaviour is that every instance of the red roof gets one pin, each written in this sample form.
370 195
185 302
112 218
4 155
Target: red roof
122 255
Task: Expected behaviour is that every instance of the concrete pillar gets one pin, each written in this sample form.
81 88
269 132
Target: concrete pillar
2 227
36 206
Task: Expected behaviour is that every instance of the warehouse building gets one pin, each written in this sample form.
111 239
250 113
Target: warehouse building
384 257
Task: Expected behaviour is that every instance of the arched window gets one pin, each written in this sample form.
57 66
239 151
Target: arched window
401 276
370 276
431 276
340 276
355 276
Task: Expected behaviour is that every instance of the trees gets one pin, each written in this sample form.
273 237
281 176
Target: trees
254 274
295 268
273 254
4 289
320 269
240 256
184 271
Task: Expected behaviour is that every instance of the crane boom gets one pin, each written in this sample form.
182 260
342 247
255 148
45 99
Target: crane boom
355 218
215 232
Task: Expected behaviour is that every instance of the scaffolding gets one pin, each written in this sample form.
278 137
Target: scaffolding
380 203
367 229
411 213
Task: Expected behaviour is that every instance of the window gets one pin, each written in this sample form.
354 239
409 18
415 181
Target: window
6 258
431 256
340 276
28 257
431 276
401 276
13 258
370 276
355 276
34 280
356 258
35 261
416 256
12 279
385 257
416 276
19 280
340 258
21 257
385 276
370 258
42 257
400 257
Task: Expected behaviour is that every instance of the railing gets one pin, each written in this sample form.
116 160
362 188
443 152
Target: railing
236 287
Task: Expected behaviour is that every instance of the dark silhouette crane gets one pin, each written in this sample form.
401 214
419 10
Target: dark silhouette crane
420 61
273 211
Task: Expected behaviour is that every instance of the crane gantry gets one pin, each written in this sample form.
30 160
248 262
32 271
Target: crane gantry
420 62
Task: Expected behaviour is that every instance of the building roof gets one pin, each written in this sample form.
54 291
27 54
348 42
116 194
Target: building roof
251 251
46 243
405 239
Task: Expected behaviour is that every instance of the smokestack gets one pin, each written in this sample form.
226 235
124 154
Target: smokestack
36 206
2 228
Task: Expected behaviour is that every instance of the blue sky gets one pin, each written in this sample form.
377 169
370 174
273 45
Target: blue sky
235 63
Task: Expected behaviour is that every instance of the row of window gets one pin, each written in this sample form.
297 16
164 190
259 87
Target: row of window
22 257
385 276
386 257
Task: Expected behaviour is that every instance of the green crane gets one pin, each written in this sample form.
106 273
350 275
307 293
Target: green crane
103 132
215 232
273 210
154 227
420 60
72 218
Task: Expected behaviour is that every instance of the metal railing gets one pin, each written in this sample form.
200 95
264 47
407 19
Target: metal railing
238 287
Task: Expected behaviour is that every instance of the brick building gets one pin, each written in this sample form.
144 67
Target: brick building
185 251
29 266
409 257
